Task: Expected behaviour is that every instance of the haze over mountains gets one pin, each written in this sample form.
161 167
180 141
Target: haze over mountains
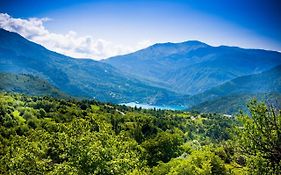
189 74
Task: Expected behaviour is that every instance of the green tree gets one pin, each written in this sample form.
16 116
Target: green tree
259 138
163 147
199 162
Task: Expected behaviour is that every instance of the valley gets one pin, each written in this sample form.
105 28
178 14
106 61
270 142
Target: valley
199 74
142 87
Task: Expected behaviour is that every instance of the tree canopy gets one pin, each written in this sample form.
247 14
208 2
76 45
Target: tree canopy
44 135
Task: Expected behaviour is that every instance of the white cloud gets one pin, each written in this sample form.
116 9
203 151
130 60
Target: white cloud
69 44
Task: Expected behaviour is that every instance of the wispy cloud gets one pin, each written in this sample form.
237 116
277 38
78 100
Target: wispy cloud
70 43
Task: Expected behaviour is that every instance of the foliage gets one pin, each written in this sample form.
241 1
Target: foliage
45 135
200 162
259 138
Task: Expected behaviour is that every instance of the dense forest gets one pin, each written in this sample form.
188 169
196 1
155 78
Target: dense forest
45 135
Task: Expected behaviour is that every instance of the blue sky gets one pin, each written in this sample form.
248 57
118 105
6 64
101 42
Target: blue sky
119 26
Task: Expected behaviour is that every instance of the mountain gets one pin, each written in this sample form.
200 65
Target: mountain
193 67
232 104
28 84
76 77
265 82
234 95
149 76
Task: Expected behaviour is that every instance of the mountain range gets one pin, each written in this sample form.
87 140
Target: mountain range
191 74
192 67
77 77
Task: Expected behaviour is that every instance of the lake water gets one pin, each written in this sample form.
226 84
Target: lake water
147 106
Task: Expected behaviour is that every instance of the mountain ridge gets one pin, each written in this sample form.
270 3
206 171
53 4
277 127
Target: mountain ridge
193 70
192 65
77 77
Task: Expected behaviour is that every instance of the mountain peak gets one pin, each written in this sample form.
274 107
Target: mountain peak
194 43
186 45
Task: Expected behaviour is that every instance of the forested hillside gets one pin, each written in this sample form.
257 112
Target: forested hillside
28 84
266 82
233 104
44 135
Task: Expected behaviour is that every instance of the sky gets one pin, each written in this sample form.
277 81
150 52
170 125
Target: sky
100 29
